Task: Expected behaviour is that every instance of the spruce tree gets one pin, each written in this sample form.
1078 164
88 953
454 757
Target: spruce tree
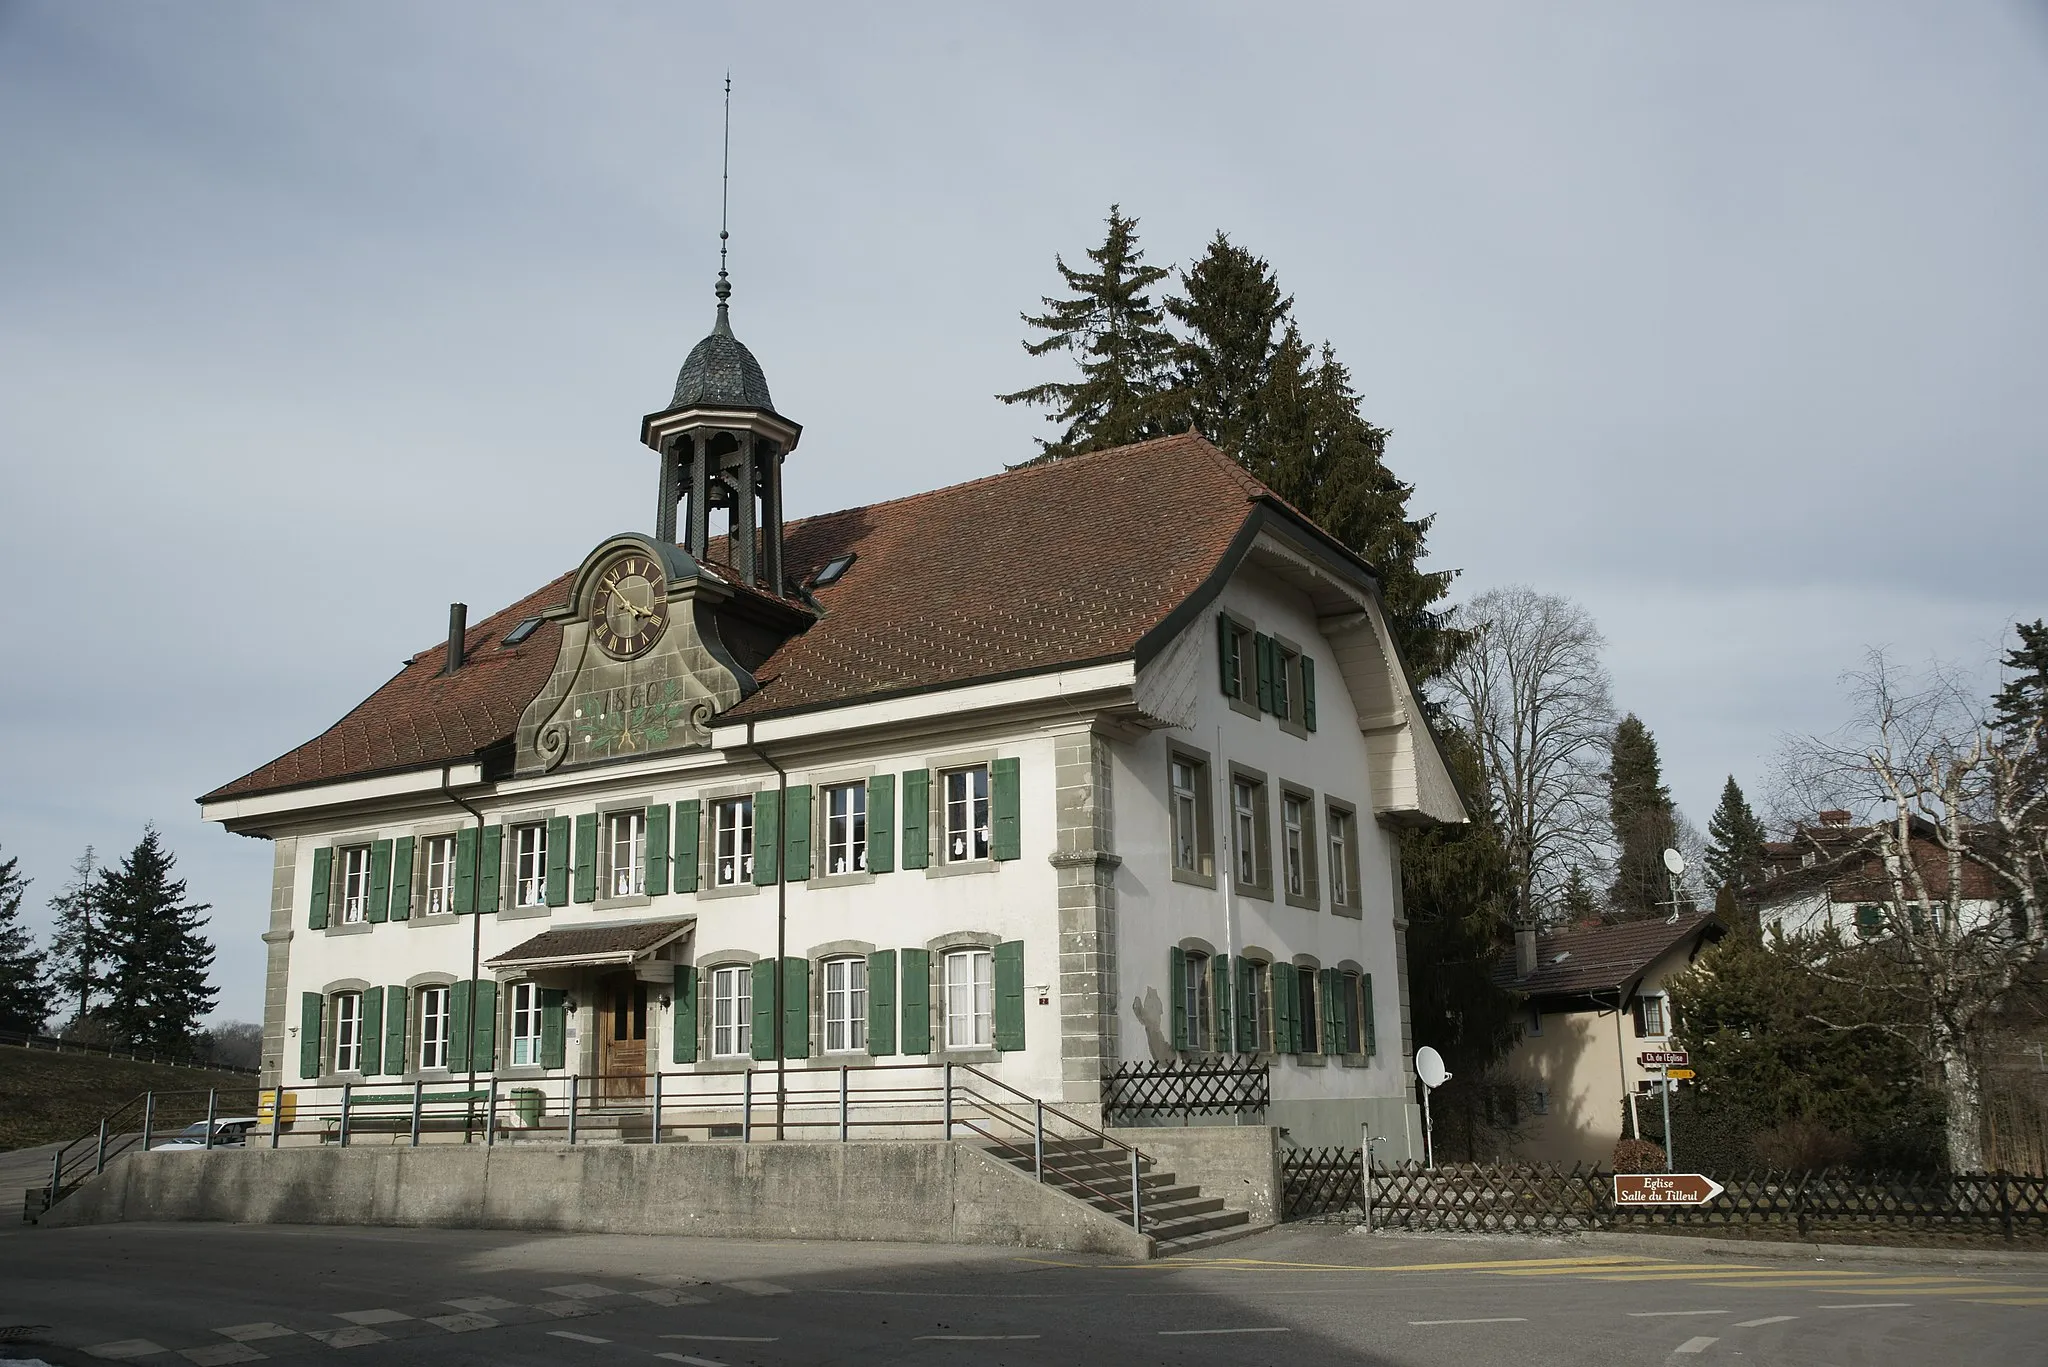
2023 698
24 990
1735 856
1232 316
1644 820
1576 902
1116 332
157 989
76 952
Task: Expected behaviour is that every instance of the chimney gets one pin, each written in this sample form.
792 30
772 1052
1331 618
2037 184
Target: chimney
1836 817
458 628
1525 950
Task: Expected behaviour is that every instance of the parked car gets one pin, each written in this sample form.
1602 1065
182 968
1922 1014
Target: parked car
228 1132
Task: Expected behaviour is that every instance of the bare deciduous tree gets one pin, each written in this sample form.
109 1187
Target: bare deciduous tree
1533 692
1948 810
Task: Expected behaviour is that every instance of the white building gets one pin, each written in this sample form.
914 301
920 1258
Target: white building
1084 763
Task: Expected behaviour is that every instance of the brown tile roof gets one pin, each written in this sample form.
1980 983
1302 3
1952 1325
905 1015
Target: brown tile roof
1846 862
1029 570
582 942
1602 958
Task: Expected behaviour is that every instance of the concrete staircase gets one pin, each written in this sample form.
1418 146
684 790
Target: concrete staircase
1175 1214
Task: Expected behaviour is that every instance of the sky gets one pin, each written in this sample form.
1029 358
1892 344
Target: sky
1726 321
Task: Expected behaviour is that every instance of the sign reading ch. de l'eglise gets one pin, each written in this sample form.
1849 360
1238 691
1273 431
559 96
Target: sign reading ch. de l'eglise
1664 1189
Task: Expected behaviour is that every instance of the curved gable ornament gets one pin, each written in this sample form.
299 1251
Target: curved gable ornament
597 706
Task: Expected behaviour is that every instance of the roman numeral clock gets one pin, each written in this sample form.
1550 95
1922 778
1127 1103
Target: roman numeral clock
629 611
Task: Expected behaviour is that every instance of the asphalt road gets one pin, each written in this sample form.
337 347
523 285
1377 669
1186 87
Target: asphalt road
199 1295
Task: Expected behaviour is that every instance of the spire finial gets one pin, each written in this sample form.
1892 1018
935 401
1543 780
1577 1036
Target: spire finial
724 289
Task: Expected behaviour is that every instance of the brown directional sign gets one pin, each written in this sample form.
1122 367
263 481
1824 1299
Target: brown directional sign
1663 1058
1664 1189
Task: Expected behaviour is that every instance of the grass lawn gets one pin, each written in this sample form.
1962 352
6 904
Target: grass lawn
47 1097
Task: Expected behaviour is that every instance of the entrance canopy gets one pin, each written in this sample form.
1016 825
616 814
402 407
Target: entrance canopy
622 944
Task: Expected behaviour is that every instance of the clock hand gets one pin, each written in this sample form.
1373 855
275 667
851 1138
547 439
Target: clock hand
630 606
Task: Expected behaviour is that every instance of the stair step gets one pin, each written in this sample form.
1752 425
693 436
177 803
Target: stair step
1190 1243
1171 1231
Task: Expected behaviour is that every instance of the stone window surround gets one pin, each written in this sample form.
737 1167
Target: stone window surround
1263 844
820 780
820 1057
1260 957
1247 699
1352 968
337 874
508 863
1294 721
1354 905
936 865
707 838
1311 898
1195 944
329 1077
706 1019
618 806
412 1071
938 946
422 835
1205 813
1315 1057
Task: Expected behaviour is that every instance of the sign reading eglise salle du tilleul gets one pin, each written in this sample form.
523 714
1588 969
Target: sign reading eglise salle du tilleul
1664 1189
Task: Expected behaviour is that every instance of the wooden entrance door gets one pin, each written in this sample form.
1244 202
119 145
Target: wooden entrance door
623 1056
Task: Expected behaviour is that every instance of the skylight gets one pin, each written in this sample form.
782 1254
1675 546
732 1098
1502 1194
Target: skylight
521 632
833 569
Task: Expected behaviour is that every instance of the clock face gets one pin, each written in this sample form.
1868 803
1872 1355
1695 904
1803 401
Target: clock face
629 610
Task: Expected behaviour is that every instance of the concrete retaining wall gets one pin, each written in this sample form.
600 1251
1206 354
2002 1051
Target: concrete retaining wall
1240 1163
914 1190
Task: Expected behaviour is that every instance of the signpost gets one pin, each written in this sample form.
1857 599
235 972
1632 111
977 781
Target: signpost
1664 1189
1663 1058
1680 1074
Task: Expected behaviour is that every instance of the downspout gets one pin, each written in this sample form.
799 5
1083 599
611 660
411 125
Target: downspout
476 933
1226 876
781 914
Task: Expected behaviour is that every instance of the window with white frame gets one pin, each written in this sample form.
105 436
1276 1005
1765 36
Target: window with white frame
1259 1000
1285 663
1201 1015
1188 816
1306 995
628 846
525 1025
1251 856
1652 1020
355 884
1298 844
732 836
732 1011
433 1032
1353 986
530 865
966 814
846 1005
970 998
348 1032
846 828
440 876
1344 891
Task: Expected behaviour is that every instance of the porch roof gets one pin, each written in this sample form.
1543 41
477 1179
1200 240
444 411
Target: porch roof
620 943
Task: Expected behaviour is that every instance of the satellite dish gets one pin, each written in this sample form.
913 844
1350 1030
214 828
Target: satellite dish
1429 1066
1674 861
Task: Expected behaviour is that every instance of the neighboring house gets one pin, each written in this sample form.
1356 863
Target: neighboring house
1831 874
1594 1002
1089 762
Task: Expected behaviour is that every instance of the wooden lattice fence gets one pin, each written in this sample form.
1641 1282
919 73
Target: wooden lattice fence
1329 1184
1147 1093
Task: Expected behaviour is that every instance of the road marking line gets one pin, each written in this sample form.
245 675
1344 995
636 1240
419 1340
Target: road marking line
372 1316
1697 1344
1668 1314
1767 1319
985 1295
1266 1265
1185 1333
582 1291
972 1338
462 1324
221 1354
670 1297
127 1348
572 1334
353 1337
2033 1300
1869 1305
759 1288
567 1310
1510 1319
1637 1269
1844 1277
245 1333
694 1362
720 1338
479 1304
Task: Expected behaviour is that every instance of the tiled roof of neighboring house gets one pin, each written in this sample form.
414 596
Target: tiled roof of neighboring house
1030 570
585 942
1844 859
1603 958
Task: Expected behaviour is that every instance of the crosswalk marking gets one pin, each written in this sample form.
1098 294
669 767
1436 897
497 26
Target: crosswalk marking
126 1348
572 1335
1505 1319
760 1288
1668 1314
221 1354
1767 1319
1696 1344
247 1333
1870 1305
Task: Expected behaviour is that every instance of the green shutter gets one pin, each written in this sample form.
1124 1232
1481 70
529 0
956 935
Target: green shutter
465 870
1009 966
796 835
1372 1033
767 837
1006 841
554 1027
1247 1038
379 910
1176 994
657 849
373 1031
310 1004
688 826
1219 977
490 863
1263 644
882 824
796 1008
323 875
1308 692
1333 1010
682 1022
558 861
881 1000
917 1001
1284 1020
458 1027
484 1035
401 879
1226 654
763 1008
586 857
395 1017
917 791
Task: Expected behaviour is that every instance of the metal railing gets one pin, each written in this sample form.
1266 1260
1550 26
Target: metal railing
58 1045
1141 1093
755 1105
141 1123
